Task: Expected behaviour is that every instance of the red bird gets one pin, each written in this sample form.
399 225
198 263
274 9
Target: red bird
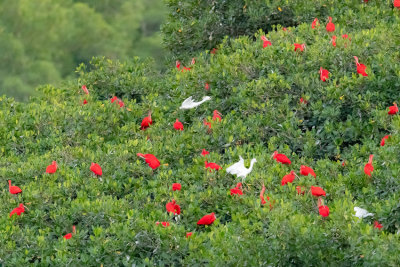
300 47
216 115
85 102
69 235
266 42
237 190
213 51
300 190
52 168
176 186
173 207
207 219
96 169
378 225
360 67
117 101
323 74
330 27
263 202
315 23
151 160
207 86
323 210
317 191
84 88
393 110
281 158
212 166
15 190
178 125
146 122
303 101
204 152
396 3
346 36
178 64
207 124
18 210
384 139
304 170
193 61
165 224
288 178
368 168
333 40
188 234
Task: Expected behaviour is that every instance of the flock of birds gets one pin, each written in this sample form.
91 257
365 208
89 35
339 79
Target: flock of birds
239 169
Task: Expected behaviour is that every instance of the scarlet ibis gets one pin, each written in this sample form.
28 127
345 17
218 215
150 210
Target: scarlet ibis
362 213
396 3
217 115
213 51
193 61
330 27
378 225
384 139
18 210
360 67
212 166
288 178
96 169
178 64
300 47
176 187
178 125
323 74
15 190
189 103
52 168
172 207
237 190
266 42
189 234
207 219
85 102
304 170
146 122
315 23
303 101
117 101
263 202
84 88
368 168
317 191
150 159
393 110
346 36
281 158
300 190
207 86
239 169
164 224
333 40
208 124
69 235
204 152
323 209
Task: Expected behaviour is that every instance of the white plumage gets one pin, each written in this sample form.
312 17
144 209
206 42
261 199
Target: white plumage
362 213
189 103
239 169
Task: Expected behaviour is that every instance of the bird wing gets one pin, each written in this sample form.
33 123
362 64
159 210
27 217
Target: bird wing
187 103
237 167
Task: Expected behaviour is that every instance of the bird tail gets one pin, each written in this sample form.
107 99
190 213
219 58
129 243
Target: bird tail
140 155
370 159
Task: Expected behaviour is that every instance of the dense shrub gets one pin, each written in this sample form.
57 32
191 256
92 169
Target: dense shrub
257 91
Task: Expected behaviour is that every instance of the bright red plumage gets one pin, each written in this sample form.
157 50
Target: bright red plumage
52 168
317 191
15 190
96 169
150 159
288 178
281 158
207 219
304 170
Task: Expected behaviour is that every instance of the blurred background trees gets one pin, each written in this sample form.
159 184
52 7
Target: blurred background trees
43 41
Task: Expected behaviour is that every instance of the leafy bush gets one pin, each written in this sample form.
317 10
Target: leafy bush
258 92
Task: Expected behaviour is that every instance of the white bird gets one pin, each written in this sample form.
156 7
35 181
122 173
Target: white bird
189 103
239 169
362 213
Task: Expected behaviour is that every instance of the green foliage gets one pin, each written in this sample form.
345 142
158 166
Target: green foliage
43 47
257 91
